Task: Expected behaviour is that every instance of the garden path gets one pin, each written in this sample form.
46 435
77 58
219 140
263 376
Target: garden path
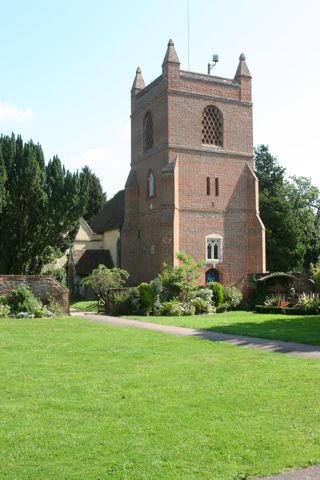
311 473
290 348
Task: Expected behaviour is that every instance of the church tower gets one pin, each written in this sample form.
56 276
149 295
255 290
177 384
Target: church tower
191 186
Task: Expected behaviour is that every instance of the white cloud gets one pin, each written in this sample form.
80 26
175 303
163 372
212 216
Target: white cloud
92 157
11 112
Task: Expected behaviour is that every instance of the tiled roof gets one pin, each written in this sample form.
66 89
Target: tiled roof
111 216
87 260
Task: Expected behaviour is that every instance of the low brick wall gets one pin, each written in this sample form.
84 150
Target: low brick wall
43 286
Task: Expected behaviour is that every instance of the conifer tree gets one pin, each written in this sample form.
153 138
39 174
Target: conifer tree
92 194
40 207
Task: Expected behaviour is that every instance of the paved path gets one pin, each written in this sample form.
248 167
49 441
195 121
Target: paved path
295 349
311 473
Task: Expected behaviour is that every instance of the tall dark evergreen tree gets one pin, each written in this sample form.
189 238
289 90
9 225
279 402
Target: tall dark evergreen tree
93 197
3 180
40 207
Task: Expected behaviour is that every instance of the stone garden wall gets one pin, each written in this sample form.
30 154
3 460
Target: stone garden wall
42 286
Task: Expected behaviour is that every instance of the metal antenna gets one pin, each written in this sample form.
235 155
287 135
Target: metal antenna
188 15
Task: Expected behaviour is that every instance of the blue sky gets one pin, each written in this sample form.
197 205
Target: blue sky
67 68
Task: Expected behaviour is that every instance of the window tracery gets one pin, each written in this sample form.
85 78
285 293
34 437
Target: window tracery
212 126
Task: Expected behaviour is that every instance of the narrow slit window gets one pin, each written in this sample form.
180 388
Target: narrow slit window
217 187
208 185
147 132
151 185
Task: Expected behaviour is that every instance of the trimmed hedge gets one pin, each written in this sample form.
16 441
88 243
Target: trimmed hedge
285 310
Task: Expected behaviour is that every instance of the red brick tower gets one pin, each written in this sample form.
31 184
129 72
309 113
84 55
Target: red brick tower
191 186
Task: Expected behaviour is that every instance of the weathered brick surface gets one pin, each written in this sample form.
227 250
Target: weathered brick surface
182 213
43 287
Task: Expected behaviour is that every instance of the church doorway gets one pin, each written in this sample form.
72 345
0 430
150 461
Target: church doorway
212 275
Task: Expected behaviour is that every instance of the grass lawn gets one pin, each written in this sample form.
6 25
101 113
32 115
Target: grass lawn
82 400
292 328
85 305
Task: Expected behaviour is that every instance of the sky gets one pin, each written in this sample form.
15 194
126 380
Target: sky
67 68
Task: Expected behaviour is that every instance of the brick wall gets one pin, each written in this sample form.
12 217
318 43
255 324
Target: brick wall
42 286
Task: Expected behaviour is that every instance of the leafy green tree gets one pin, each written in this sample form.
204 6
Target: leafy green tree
290 210
102 279
92 195
305 202
315 273
284 245
182 280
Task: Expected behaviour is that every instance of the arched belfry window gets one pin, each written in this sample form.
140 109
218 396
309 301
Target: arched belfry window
151 185
212 126
147 132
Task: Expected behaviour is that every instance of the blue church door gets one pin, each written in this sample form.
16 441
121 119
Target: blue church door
212 275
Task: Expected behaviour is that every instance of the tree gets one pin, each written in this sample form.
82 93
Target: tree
102 279
305 202
40 207
182 279
93 197
290 213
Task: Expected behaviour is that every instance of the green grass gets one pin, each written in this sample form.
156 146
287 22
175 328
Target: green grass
82 400
291 328
85 305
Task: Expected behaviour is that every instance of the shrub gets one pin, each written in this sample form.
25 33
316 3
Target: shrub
4 310
181 280
146 298
101 279
269 309
25 315
201 305
206 294
217 293
309 302
277 300
224 307
58 273
188 309
231 296
22 299
156 287
3 300
43 312
127 303
54 307
315 273
172 308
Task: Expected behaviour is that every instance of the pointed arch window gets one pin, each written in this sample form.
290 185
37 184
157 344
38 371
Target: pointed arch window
147 132
212 126
151 185
213 248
